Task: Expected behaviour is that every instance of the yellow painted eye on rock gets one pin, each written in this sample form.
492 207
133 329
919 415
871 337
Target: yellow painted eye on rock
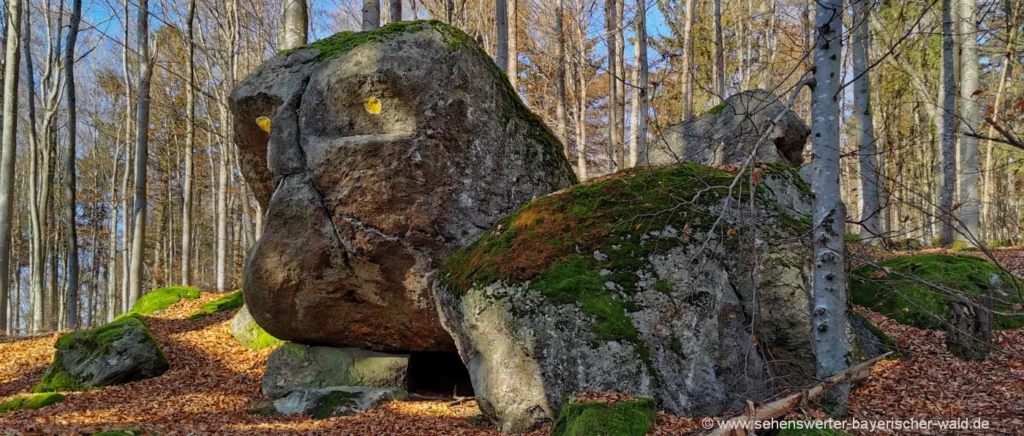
372 105
264 123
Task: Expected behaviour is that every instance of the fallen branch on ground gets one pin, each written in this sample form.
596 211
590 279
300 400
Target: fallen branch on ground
779 408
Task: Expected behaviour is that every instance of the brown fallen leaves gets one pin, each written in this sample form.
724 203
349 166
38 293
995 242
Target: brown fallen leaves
213 382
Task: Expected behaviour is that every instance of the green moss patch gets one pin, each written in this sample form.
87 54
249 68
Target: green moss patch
625 418
228 302
95 342
327 404
904 293
160 299
262 340
344 42
30 402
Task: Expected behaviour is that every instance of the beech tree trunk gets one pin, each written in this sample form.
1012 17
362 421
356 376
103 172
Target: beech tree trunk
190 140
870 230
560 77
947 93
828 316
611 26
295 24
639 146
141 155
396 11
970 211
9 138
371 15
688 61
513 44
501 20
70 186
719 53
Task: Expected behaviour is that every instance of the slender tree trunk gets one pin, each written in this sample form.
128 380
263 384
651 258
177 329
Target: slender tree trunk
513 44
611 27
865 132
988 205
113 302
581 110
687 70
620 86
396 11
294 29
829 276
10 131
371 15
70 176
560 77
141 155
501 19
948 109
719 53
190 140
969 114
36 202
638 152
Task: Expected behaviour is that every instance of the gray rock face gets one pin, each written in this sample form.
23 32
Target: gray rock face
293 367
336 401
667 288
387 152
244 329
120 352
726 134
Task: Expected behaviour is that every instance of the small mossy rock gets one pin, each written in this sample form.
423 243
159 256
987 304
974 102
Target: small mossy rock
228 302
245 330
122 351
902 289
30 402
158 300
640 283
388 151
295 366
870 340
621 418
726 134
336 401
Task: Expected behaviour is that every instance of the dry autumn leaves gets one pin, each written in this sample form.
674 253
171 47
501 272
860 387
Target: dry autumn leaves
213 383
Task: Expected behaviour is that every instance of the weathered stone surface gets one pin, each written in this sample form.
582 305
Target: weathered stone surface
336 401
654 283
294 367
387 152
120 352
727 133
245 330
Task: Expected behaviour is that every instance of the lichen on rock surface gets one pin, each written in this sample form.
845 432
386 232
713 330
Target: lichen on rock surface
685 283
119 352
388 151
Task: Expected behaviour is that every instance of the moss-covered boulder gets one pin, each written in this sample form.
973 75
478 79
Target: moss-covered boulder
228 302
30 402
914 290
387 151
293 367
678 283
244 329
620 418
119 352
158 300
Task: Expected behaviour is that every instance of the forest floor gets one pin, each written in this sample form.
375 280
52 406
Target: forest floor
213 383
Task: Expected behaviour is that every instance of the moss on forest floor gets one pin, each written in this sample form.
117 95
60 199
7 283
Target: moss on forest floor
228 302
30 402
626 418
160 299
902 290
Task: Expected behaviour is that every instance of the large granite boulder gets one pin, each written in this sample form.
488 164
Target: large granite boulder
727 133
294 367
387 151
119 352
663 283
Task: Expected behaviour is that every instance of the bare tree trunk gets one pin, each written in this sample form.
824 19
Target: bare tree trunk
638 152
611 26
295 25
828 315
865 133
719 53
688 61
141 155
396 11
10 131
969 114
371 15
501 19
581 110
560 77
113 302
38 252
620 86
190 141
989 205
513 44
71 295
948 109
